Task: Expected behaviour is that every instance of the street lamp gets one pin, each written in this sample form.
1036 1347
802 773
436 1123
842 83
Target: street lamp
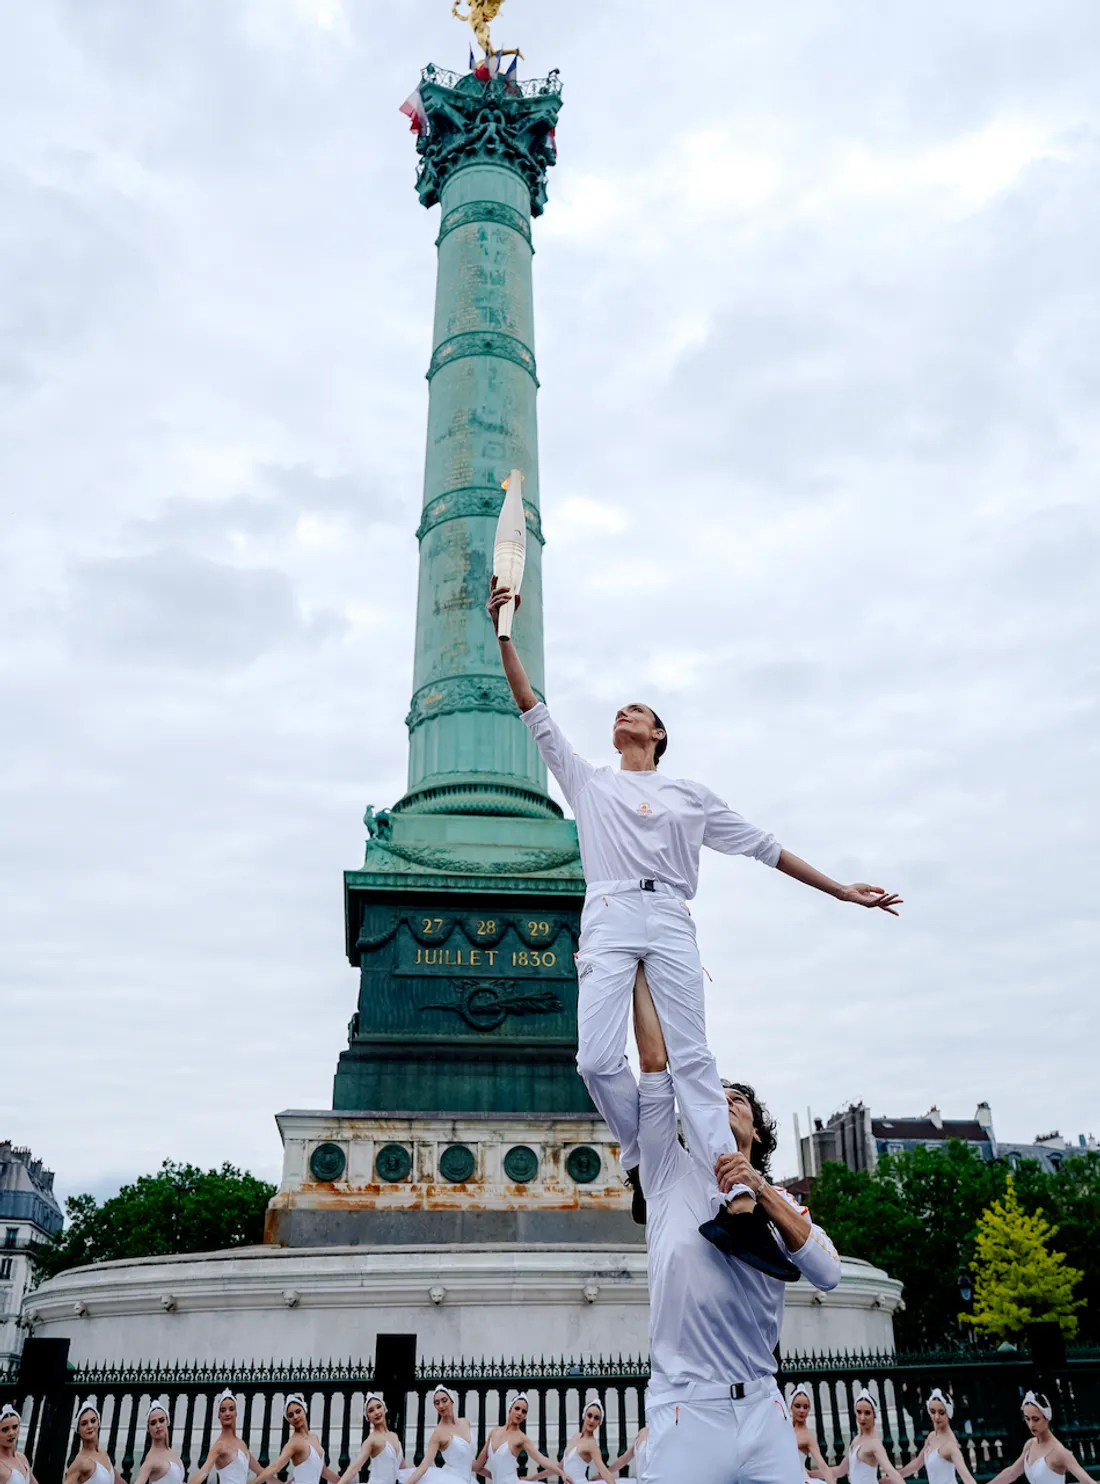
966 1293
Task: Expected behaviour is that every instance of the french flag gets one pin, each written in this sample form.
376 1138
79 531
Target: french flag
488 67
414 110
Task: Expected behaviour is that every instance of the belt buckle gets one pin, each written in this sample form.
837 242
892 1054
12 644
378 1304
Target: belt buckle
648 884
737 1391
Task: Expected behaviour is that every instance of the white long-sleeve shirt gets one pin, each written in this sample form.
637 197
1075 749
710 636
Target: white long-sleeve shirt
713 1320
638 826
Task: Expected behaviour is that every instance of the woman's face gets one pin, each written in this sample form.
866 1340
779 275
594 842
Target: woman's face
517 1413
376 1413
227 1413
296 1416
800 1407
1035 1420
865 1416
9 1431
938 1413
88 1426
443 1404
158 1429
592 1417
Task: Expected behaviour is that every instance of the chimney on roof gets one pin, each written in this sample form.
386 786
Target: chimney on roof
1053 1140
935 1117
984 1117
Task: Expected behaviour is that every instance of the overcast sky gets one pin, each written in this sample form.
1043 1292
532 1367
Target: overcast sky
817 336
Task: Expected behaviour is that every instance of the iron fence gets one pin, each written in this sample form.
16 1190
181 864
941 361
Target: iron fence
987 1391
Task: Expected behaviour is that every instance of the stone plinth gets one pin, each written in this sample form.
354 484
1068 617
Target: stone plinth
375 1178
486 1300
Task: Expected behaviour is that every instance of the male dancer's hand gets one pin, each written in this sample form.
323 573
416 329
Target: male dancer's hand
498 596
737 1169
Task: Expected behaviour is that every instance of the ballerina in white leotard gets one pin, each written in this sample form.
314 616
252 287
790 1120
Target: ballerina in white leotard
584 1453
504 1445
160 1465
452 1438
380 1446
636 1454
15 1467
866 1459
1045 1460
800 1405
91 1464
229 1458
941 1457
304 1451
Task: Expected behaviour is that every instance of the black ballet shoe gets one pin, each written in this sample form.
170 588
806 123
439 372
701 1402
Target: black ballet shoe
637 1197
747 1235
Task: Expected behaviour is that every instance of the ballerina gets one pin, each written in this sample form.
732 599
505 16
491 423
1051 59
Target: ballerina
304 1449
91 1464
504 1445
941 1457
641 835
801 1405
452 1438
15 1467
584 1449
380 1446
635 1454
1044 1460
228 1456
866 1458
159 1463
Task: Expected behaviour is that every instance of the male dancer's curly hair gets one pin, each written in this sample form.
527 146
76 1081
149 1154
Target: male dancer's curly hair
764 1147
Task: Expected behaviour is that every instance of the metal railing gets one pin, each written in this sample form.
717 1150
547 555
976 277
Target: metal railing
528 87
987 1390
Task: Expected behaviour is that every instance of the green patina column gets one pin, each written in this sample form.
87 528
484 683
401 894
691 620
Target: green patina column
483 159
464 917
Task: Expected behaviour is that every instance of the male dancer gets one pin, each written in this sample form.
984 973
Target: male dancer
715 1413
640 837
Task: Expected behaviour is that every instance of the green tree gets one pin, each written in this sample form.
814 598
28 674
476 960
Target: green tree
179 1209
1018 1279
1071 1199
915 1216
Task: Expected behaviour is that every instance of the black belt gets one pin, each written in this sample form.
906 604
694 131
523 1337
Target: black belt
648 884
737 1391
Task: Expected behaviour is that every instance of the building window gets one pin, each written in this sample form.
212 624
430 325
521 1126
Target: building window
11 1236
5 1268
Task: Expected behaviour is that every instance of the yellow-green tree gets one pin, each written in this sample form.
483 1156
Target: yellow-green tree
1018 1280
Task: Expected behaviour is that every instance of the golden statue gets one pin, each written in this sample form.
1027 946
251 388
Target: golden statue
479 13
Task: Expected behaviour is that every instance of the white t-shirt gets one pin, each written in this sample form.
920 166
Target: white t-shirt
638 826
712 1319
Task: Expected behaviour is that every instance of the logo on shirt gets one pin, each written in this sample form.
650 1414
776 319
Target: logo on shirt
644 810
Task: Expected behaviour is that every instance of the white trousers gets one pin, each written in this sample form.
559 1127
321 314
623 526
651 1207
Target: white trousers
723 1442
622 926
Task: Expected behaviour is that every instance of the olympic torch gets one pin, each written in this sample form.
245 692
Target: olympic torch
510 548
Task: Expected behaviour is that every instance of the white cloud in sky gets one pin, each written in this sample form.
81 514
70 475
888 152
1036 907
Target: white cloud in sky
833 293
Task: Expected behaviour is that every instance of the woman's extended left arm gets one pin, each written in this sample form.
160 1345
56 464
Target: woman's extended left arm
859 892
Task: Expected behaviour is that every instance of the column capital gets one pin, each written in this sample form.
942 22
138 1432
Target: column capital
498 122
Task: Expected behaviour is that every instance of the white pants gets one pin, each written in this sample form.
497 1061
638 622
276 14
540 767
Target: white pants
621 927
724 1442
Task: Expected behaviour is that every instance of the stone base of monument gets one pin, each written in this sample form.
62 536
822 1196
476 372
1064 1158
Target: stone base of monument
375 1179
474 1301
